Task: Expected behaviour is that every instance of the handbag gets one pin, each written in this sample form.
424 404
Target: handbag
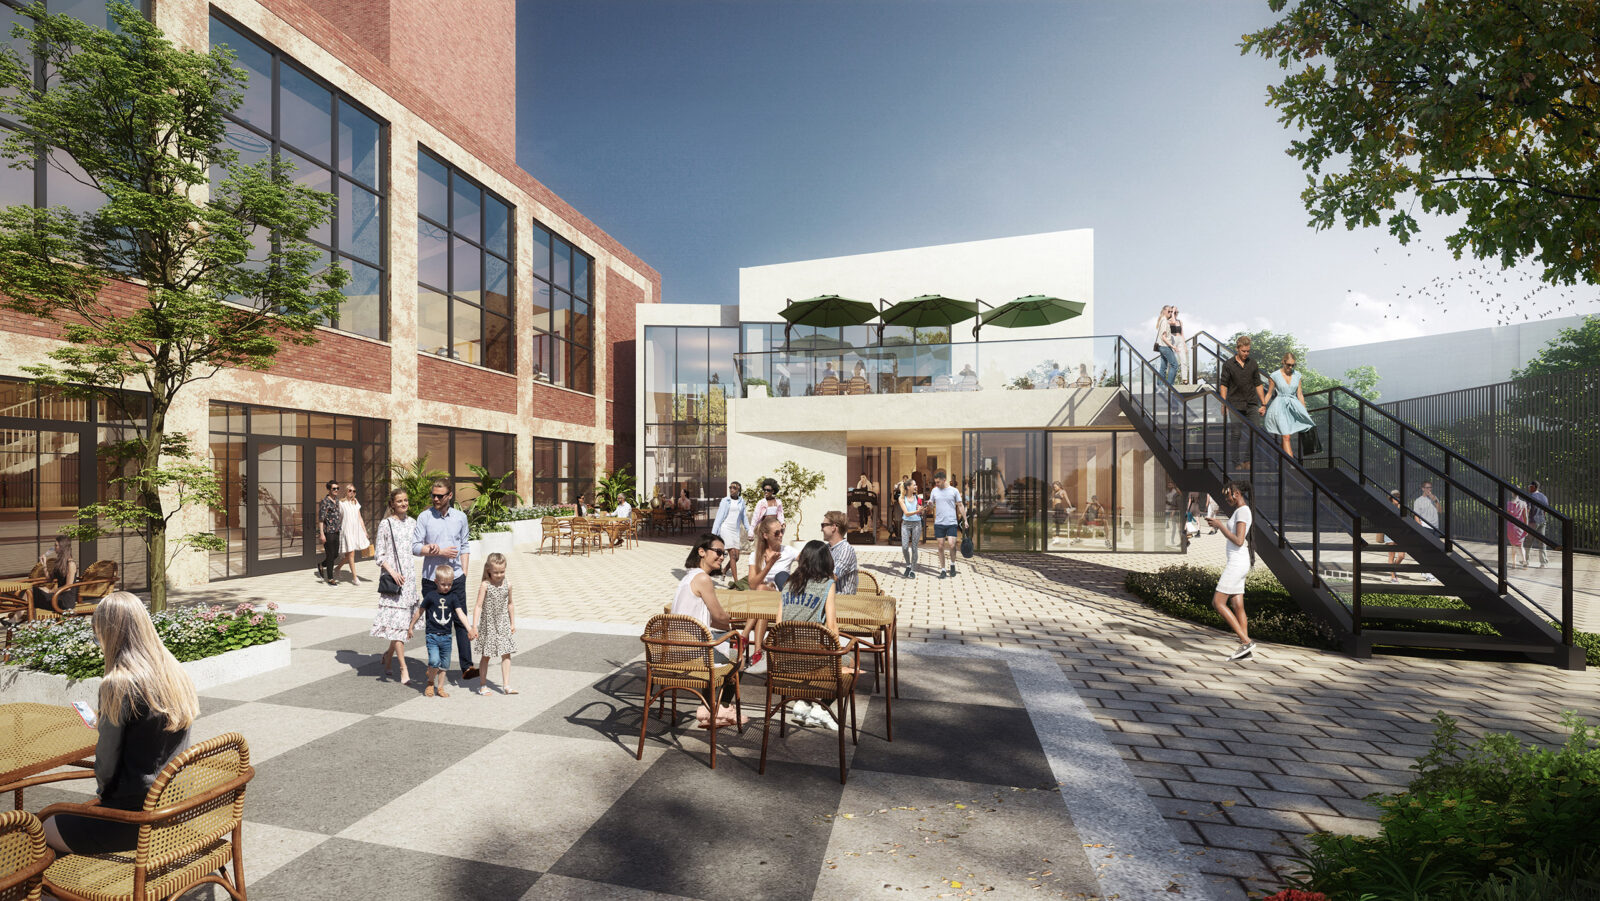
386 582
1310 443
966 543
368 551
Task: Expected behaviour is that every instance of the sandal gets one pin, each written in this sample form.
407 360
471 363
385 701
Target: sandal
511 691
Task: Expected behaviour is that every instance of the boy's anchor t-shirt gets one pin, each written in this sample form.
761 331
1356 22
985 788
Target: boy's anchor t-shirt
440 612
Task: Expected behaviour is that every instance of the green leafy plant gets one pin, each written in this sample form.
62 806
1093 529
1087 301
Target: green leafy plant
494 498
617 486
795 485
538 511
417 478
66 646
221 278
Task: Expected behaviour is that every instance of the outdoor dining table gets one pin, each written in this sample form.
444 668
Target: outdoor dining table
867 611
37 738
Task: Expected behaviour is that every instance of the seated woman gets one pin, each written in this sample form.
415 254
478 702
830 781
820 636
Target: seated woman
808 598
697 598
147 704
61 573
769 571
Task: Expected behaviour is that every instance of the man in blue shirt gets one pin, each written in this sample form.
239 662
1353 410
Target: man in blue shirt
1538 523
441 538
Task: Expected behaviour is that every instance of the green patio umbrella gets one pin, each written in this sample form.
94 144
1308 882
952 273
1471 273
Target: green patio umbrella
829 311
1033 310
929 311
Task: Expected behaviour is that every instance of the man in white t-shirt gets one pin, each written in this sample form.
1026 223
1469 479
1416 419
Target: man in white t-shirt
1426 506
948 512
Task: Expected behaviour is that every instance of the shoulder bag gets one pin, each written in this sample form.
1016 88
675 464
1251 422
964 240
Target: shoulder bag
386 582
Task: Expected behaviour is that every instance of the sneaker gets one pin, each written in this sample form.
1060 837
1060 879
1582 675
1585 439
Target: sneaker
820 717
758 664
944 574
952 572
910 573
1243 652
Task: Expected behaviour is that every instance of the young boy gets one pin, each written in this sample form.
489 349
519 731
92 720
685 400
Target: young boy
440 609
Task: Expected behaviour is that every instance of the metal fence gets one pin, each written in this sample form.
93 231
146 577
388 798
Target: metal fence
1544 429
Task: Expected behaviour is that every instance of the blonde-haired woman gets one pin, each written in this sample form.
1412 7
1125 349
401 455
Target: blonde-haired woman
147 704
352 531
393 622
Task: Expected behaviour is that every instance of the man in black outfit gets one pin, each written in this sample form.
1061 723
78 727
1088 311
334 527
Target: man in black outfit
1241 379
329 521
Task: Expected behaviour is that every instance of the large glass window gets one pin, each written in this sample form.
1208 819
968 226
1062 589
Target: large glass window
562 470
456 451
689 374
55 179
562 310
463 268
334 145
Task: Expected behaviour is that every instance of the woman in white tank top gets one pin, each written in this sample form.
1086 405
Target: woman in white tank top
696 597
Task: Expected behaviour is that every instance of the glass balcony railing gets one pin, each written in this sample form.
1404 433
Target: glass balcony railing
1030 364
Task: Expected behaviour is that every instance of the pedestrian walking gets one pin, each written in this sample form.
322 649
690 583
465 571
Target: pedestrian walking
1537 511
948 512
395 608
1286 414
910 525
441 540
352 532
1241 388
1426 507
1176 329
730 526
1168 368
1516 531
1395 557
1174 515
1229 597
330 523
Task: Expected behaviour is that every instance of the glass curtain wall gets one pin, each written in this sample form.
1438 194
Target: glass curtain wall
563 312
456 451
463 268
689 375
562 470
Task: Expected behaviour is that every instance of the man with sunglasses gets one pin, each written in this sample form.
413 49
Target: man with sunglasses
441 538
330 519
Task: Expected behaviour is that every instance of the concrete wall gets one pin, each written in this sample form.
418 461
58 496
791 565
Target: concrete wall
822 451
1429 364
1060 264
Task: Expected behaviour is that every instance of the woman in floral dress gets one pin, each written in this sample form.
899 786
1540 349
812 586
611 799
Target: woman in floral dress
393 621
352 531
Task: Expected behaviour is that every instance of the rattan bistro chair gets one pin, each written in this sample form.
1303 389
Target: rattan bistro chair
867 583
23 856
806 662
93 583
549 530
189 830
678 658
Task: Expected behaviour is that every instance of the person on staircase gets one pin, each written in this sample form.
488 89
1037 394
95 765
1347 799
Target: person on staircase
1164 346
1241 388
1286 414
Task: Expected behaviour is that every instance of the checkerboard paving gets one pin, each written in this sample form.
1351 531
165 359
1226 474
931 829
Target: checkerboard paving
365 788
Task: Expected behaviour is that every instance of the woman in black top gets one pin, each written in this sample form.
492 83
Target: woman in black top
147 703
63 572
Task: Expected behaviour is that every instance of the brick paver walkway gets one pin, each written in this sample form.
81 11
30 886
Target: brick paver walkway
1243 759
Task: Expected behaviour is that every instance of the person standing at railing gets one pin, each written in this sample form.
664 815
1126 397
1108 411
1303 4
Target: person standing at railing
1241 387
1164 346
1539 521
1426 506
1286 414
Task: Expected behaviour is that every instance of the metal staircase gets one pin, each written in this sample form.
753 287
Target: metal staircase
1318 521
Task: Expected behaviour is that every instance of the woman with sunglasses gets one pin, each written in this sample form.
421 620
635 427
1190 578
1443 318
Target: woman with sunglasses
1286 405
697 598
769 505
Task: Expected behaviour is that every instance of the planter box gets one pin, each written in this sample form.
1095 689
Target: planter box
527 531
492 543
18 684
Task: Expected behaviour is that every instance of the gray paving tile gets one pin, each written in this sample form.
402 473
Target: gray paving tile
327 784
355 690
607 709
963 742
956 680
583 652
552 887
340 868
272 729
734 834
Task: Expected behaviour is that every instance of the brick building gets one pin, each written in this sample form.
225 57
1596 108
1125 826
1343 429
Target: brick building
486 320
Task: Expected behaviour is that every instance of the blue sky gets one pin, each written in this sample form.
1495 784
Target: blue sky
707 136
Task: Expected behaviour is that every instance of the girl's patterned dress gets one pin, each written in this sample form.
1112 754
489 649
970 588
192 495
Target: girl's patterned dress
394 610
494 630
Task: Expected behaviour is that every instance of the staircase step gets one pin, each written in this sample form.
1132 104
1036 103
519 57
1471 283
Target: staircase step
1393 567
1442 614
1384 586
1451 641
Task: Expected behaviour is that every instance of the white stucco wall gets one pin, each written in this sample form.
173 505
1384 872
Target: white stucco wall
1428 364
999 270
762 452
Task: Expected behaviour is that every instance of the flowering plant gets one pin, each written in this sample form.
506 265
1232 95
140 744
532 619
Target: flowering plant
67 647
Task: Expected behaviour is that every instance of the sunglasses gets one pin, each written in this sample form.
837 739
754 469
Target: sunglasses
720 552
440 497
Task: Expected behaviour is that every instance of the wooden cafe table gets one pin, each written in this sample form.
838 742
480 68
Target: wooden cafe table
866 611
37 738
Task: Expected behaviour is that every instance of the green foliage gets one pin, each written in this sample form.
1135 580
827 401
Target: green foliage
1574 348
1186 591
1493 812
1268 347
1479 110
538 511
616 487
66 647
226 280
493 498
795 484
417 478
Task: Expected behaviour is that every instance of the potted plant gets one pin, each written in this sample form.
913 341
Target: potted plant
616 487
487 530
417 479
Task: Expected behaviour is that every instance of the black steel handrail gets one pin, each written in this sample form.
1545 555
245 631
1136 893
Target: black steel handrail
1317 493
1194 349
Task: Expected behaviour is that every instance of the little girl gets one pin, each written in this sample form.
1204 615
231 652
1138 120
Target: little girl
495 619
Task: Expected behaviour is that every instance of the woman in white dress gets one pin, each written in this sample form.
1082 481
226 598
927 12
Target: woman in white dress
393 622
352 532
1229 599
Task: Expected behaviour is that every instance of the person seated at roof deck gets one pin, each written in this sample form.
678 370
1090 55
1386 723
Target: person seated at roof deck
828 373
968 378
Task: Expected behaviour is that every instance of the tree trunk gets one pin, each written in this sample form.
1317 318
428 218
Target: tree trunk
155 536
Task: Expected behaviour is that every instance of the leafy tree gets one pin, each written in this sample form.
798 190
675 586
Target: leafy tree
144 121
1484 109
417 478
1268 347
1574 348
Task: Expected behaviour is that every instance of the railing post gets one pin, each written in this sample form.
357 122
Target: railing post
1355 575
1361 441
1283 540
1316 542
1566 582
1447 459
1500 539
1402 461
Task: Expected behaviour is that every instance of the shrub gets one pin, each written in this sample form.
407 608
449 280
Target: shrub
66 647
538 511
1494 812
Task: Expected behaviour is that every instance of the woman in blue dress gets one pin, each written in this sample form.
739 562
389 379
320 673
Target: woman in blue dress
1286 405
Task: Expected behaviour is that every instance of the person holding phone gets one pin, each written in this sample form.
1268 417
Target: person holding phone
147 704
910 525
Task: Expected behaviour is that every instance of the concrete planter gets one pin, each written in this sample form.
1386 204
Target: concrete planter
493 543
18 685
527 531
